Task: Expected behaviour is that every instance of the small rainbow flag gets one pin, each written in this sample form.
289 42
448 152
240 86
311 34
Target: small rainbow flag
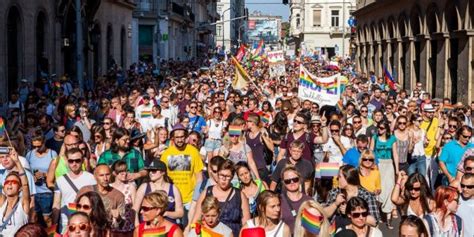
235 131
311 222
448 107
265 118
57 84
52 231
146 114
2 127
332 228
327 169
389 79
71 207
157 232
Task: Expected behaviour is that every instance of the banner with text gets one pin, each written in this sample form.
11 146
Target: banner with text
275 56
324 91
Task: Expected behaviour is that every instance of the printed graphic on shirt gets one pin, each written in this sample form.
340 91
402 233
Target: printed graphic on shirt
179 163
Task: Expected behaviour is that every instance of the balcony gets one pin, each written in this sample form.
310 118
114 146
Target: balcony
149 8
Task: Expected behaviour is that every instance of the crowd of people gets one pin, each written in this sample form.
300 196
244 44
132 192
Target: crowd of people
174 150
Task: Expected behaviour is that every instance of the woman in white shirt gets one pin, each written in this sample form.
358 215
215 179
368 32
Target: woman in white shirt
269 212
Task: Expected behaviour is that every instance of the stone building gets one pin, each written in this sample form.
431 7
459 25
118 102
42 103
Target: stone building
427 41
229 31
41 35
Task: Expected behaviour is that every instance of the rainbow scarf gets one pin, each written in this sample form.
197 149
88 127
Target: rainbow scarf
311 222
2 127
71 207
327 169
235 130
157 232
146 114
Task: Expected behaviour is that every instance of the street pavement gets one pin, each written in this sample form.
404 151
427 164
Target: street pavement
390 233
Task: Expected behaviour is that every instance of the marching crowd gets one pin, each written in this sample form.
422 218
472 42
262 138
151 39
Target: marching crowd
174 150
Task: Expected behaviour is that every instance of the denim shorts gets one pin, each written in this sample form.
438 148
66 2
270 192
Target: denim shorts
212 145
44 203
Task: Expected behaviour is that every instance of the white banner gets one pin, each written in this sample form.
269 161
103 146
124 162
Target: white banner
324 91
277 69
275 56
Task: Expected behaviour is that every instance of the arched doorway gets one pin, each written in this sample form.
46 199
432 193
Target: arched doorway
110 46
123 48
14 48
42 63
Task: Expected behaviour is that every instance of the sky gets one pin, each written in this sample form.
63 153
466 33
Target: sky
276 7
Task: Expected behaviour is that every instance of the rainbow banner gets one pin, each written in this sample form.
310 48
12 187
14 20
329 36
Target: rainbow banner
235 130
2 127
157 232
145 114
324 91
52 231
327 169
72 208
205 232
311 222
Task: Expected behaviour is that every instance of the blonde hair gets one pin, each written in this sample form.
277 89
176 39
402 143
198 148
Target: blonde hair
68 108
210 203
325 226
158 199
262 202
367 154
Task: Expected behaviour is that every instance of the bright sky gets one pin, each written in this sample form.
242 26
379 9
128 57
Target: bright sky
270 7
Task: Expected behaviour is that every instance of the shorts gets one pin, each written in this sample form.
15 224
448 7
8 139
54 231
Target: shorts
44 203
212 145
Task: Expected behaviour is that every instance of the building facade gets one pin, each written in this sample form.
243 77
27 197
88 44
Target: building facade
266 27
321 26
419 41
173 29
229 31
40 36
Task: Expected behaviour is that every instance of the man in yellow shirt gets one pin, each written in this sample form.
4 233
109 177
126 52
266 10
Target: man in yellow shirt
184 166
430 125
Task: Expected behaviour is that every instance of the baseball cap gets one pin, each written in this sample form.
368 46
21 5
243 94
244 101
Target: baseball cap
156 164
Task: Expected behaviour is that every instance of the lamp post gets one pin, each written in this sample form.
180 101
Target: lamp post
223 26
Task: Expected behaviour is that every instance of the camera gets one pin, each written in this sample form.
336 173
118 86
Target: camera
4 150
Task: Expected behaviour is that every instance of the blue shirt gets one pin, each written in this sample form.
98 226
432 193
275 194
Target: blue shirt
352 157
196 123
451 155
383 149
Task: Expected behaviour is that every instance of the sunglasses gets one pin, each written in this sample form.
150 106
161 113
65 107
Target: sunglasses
381 128
192 107
367 159
358 214
84 207
299 122
356 122
214 171
402 123
81 226
446 138
414 189
453 126
462 135
164 101
464 186
334 130
78 161
364 111
293 180
11 182
147 209
469 169
106 123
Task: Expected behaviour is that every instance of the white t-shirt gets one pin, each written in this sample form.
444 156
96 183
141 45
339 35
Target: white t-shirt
220 228
465 211
68 195
335 154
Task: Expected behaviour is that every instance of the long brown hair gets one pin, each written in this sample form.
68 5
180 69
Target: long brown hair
262 202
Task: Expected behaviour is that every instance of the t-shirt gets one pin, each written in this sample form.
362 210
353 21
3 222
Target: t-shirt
452 154
68 194
306 138
465 210
196 123
431 135
54 145
383 149
335 154
372 181
286 210
303 166
182 168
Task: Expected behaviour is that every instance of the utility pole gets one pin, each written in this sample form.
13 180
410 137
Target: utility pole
343 27
79 47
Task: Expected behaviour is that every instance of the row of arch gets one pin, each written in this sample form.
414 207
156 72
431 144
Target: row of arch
422 43
44 55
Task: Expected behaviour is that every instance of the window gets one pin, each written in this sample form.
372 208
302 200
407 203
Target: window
335 18
297 20
219 30
316 17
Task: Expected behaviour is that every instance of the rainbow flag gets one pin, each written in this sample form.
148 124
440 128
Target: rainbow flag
2 127
157 232
235 130
332 228
57 84
52 231
71 207
389 79
205 232
241 53
307 79
327 169
265 118
145 114
311 222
